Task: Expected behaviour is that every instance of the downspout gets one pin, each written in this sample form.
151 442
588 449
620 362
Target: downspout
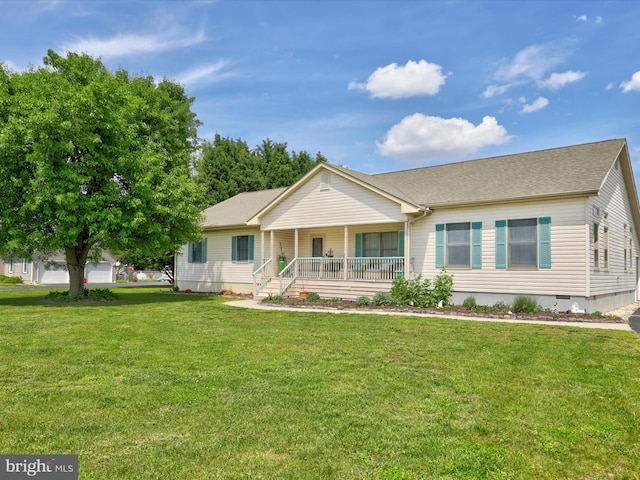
408 240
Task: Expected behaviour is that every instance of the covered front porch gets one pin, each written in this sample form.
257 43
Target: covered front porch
335 262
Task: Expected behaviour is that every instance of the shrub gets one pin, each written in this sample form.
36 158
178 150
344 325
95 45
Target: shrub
95 294
469 303
442 288
313 297
274 298
413 293
382 298
420 293
525 304
363 301
5 279
501 306
102 294
598 313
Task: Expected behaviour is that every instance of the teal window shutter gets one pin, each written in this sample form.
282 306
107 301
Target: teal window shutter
234 248
544 242
501 244
204 251
358 244
476 245
401 244
190 252
440 245
251 244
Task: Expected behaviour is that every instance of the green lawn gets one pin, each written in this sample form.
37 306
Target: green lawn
166 386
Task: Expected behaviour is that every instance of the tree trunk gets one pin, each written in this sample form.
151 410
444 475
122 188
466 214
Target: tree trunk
76 260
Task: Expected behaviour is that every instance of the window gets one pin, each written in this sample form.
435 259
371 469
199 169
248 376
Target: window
380 244
523 243
11 266
605 241
198 252
242 248
626 252
459 245
25 265
596 245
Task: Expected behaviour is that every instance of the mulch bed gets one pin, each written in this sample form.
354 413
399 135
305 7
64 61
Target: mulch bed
456 310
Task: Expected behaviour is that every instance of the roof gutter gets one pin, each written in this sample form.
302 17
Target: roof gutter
425 211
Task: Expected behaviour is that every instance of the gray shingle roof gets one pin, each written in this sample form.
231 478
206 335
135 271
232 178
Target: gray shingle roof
556 172
564 171
239 209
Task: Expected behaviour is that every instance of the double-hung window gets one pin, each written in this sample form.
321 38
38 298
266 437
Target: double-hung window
380 244
25 265
523 243
459 245
242 248
197 252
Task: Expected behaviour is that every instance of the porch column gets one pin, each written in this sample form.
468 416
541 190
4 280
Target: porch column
295 245
346 251
272 252
407 250
261 247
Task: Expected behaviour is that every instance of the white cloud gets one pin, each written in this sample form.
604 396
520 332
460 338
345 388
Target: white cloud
538 104
421 138
204 74
598 20
531 63
633 84
493 90
559 80
411 80
581 18
133 44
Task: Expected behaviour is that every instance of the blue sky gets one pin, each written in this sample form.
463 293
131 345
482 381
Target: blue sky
373 85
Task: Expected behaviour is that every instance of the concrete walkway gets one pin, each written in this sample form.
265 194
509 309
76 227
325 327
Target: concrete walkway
249 303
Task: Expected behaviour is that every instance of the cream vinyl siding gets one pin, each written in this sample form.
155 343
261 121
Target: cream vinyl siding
566 275
219 269
612 202
343 203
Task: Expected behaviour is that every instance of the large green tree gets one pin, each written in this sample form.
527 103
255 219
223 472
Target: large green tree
92 159
227 167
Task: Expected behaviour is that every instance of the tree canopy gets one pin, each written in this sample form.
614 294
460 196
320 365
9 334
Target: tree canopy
228 167
91 159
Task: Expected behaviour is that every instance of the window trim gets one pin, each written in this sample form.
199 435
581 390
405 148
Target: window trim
25 265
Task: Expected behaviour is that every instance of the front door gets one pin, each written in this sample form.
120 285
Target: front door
317 253
317 247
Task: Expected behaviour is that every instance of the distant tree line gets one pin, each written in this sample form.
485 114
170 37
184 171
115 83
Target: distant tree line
227 167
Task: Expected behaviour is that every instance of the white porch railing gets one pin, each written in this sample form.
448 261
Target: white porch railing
262 276
372 269
383 269
287 276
